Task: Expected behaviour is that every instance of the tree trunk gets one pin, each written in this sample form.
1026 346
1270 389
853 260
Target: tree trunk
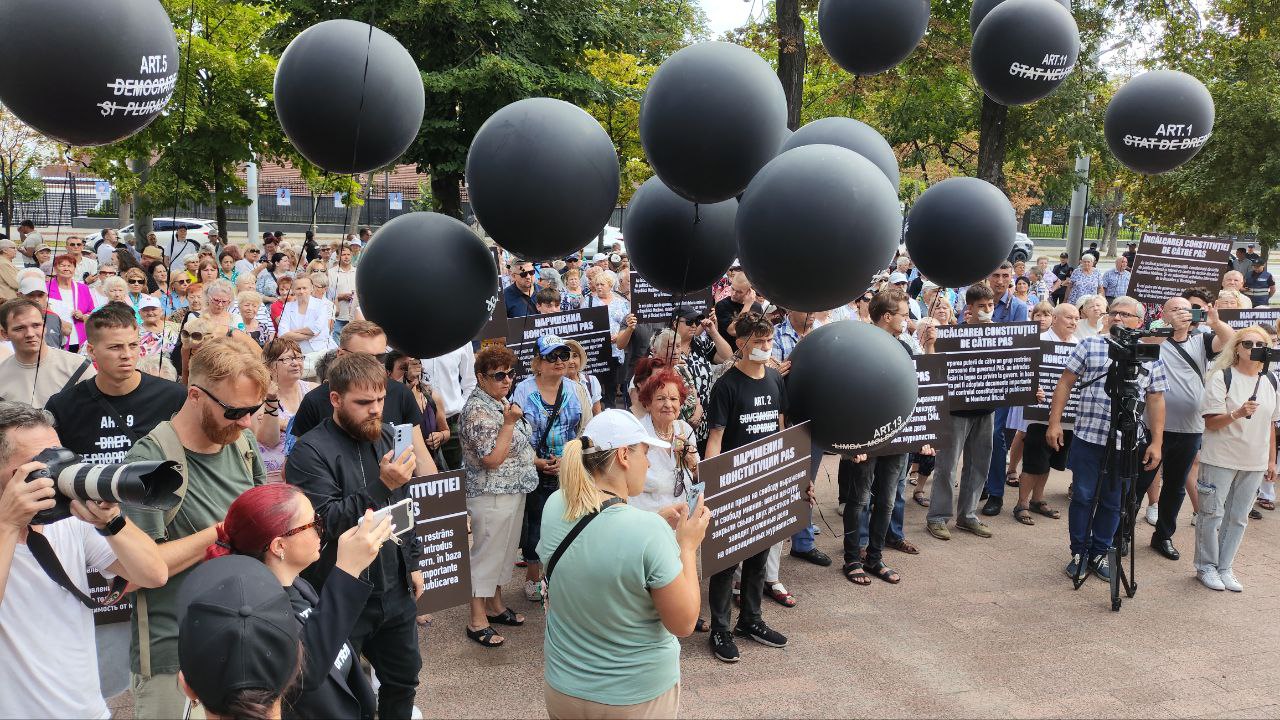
142 221
992 141
446 189
792 57
220 213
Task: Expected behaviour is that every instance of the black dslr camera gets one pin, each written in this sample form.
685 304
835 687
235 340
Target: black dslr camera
1266 355
148 484
1125 345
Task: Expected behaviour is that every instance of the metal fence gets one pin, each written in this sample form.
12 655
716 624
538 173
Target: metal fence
1094 225
63 199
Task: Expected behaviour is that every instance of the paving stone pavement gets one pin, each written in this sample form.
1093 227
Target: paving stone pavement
977 629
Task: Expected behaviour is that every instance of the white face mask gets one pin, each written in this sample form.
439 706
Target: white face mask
759 355
984 316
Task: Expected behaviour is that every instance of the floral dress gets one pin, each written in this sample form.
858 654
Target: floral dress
478 427
698 372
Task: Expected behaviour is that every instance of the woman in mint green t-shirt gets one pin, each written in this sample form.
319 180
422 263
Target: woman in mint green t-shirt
624 588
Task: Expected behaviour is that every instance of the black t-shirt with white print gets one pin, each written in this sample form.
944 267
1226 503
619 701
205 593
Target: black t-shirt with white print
747 409
89 423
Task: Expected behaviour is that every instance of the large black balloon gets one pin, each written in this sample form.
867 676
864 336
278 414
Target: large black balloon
676 247
87 73
349 104
867 37
982 7
852 134
543 178
1159 120
960 230
815 225
429 281
1023 50
854 383
714 113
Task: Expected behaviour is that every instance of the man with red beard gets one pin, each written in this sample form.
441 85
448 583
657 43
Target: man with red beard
345 465
210 437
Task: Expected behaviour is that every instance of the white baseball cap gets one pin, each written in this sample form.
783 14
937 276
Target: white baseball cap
898 278
148 302
31 284
613 429
598 257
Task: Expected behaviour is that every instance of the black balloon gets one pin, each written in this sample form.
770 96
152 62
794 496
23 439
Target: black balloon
543 178
429 282
852 134
1159 120
674 245
854 383
867 37
87 73
1023 50
982 7
714 113
349 103
815 225
960 230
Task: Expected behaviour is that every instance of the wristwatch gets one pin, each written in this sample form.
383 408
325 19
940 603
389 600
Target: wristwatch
113 527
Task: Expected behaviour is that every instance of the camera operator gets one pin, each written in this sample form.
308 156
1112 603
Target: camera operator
46 633
218 456
35 371
1186 356
1089 363
345 465
1240 411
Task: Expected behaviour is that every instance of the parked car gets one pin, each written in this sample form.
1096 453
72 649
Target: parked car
1023 248
197 234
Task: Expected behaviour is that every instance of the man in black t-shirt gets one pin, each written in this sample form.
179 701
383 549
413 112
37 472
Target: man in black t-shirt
741 300
1062 271
748 403
102 417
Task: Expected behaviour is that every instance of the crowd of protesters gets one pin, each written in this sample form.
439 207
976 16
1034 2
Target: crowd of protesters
253 368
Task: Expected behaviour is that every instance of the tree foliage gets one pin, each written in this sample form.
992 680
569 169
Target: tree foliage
22 151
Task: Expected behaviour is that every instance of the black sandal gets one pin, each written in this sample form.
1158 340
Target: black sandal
484 636
1023 515
854 573
702 625
506 617
1040 507
885 573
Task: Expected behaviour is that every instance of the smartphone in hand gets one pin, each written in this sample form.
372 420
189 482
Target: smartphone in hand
403 435
695 490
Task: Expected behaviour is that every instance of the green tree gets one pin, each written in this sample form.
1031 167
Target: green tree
22 150
623 78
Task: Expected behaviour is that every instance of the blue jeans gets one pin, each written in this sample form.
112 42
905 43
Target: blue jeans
896 532
1085 462
337 328
999 455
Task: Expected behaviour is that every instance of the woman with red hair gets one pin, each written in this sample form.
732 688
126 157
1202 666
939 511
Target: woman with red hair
277 525
671 472
71 300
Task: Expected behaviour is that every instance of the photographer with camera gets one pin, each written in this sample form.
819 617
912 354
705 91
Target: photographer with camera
46 632
1090 363
1240 411
218 456
1186 357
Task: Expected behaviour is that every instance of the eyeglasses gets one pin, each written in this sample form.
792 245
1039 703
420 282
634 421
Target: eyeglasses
108 273
289 359
229 412
136 281
1122 315
502 375
71 245
313 525
560 355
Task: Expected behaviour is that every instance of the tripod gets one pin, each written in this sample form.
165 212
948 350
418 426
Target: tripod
1121 464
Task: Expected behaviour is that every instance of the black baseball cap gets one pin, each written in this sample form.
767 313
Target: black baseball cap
685 312
237 631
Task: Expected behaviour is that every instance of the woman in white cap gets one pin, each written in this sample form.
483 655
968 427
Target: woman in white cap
622 583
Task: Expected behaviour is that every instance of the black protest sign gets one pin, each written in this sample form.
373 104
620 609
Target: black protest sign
1241 319
928 424
589 326
990 365
1168 264
99 590
496 327
756 495
440 524
652 305
1053 361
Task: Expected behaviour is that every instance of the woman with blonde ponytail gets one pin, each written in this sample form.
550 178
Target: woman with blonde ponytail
621 583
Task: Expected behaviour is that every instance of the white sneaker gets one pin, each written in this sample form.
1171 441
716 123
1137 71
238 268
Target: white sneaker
1153 514
1209 578
1229 581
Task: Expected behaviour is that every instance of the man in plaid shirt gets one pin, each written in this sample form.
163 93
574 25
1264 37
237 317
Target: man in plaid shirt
1089 364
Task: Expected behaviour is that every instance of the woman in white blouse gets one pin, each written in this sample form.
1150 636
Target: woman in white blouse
305 320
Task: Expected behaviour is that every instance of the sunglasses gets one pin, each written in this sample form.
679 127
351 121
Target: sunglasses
313 525
196 337
560 355
108 273
71 245
136 281
229 412
503 375
525 274
1251 344
181 281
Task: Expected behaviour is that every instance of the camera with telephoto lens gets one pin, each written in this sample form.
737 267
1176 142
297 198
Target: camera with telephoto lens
1265 355
148 484
1125 345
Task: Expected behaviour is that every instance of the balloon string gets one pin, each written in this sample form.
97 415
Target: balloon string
182 126
675 310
